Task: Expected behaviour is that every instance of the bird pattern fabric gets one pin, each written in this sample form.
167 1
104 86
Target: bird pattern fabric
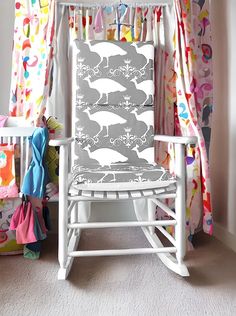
110 71
113 94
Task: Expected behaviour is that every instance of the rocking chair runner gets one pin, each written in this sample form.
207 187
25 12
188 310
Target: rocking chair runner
113 154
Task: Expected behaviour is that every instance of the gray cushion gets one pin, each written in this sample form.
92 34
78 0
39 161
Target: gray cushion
126 176
117 126
107 72
114 119
110 134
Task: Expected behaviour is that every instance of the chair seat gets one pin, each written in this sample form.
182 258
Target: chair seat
120 177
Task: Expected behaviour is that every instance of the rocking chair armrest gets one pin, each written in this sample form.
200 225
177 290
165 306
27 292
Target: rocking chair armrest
61 142
184 140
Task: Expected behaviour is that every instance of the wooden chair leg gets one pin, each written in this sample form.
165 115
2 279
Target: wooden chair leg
62 241
63 214
180 204
151 215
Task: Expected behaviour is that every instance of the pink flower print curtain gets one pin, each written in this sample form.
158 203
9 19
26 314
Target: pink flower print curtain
193 67
183 78
32 56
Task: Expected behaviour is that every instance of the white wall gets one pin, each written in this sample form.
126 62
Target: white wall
223 146
6 42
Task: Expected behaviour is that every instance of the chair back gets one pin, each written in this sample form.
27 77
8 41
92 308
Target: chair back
113 89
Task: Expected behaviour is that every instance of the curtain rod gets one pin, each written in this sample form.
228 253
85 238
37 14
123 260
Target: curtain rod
96 4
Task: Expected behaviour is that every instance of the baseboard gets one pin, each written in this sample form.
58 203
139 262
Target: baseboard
222 234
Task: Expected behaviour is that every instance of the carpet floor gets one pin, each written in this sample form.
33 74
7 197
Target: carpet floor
131 285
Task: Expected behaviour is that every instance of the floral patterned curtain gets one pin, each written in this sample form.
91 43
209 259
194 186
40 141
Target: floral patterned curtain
32 57
182 35
194 98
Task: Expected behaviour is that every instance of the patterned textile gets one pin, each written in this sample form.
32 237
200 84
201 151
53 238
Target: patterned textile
119 131
112 72
194 99
32 56
124 133
135 175
8 187
8 243
114 117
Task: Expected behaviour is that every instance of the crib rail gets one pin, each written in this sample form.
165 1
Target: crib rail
16 131
18 136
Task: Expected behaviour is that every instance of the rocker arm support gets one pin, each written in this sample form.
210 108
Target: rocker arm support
180 173
184 140
63 194
61 142
64 144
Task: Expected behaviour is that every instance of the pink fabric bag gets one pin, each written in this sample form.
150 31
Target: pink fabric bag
17 217
23 222
39 214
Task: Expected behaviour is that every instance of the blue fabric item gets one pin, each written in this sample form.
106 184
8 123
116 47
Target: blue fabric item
47 219
34 246
31 254
35 180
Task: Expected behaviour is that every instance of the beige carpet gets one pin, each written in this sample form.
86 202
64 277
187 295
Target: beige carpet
134 285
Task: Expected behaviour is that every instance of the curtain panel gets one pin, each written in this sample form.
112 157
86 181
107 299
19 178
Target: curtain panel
32 57
183 74
194 99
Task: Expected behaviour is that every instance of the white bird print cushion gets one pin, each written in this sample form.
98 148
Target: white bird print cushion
107 72
114 123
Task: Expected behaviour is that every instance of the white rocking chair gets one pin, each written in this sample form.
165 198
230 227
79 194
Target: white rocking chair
111 158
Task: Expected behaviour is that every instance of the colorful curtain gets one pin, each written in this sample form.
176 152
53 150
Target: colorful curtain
194 98
32 57
182 35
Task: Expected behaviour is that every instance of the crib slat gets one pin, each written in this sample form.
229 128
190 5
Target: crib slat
21 160
26 154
